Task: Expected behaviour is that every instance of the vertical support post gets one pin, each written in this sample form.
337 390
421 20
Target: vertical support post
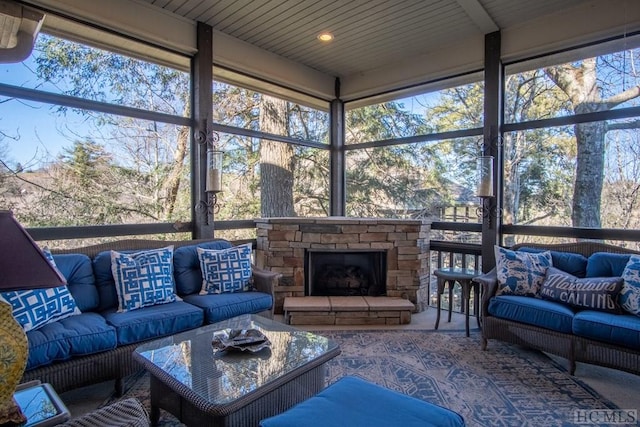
493 117
202 111
338 174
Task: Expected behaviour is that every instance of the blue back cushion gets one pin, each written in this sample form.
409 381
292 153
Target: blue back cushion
186 266
604 264
104 281
77 269
572 263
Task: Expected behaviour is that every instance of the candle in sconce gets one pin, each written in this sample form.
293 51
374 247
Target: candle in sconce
214 180
485 176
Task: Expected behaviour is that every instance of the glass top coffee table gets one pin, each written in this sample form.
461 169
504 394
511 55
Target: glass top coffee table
201 386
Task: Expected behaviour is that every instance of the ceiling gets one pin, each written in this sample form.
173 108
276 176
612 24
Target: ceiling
368 34
379 45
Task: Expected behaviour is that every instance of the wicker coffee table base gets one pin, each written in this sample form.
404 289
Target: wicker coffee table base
268 402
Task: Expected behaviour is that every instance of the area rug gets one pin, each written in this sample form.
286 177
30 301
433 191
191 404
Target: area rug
506 385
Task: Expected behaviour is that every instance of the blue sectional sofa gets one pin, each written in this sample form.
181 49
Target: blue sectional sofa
96 345
607 337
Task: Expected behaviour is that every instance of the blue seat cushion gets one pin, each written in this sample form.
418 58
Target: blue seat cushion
618 329
77 269
575 264
353 402
154 321
218 307
80 335
604 264
533 311
186 266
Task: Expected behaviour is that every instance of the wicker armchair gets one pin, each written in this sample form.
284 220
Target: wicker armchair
571 347
124 413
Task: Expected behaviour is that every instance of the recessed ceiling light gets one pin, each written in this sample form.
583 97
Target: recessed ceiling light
325 37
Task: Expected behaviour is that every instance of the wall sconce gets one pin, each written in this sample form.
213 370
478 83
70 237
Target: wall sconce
213 181
485 176
484 190
214 170
20 26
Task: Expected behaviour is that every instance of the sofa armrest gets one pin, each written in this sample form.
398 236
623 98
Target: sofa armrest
264 280
489 283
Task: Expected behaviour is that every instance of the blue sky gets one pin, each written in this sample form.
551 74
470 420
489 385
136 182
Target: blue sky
33 124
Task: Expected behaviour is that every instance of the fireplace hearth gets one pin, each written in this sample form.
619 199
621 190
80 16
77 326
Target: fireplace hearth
345 273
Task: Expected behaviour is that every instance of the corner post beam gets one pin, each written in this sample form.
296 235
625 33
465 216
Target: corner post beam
202 114
338 174
492 137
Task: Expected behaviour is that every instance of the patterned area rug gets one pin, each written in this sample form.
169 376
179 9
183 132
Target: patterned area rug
503 386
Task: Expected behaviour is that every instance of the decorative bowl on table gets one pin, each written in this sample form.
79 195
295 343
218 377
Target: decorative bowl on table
251 340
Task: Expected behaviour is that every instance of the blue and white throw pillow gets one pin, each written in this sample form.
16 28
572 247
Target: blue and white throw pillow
594 293
227 270
143 278
629 298
520 273
34 308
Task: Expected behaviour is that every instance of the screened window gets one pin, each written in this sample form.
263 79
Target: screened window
71 162
444 110
247 109
583 174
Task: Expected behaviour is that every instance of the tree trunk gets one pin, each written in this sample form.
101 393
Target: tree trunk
277 161
580 83
587 188
171 184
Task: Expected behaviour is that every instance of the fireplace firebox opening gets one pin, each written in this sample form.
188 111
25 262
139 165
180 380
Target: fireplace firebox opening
345 273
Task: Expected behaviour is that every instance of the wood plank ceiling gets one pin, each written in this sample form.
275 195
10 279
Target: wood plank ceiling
369 34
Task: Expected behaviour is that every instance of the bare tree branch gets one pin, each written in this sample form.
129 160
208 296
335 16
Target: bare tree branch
621 97
623 125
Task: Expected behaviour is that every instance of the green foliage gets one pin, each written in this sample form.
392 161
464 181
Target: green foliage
98 75
398 180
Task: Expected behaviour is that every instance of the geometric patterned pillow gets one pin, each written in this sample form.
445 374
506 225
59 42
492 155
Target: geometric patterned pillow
629 297
226 270
520 273
143 278
34 308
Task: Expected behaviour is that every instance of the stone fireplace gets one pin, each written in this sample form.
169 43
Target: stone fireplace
285 245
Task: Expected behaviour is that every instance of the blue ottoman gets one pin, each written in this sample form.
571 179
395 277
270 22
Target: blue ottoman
353 402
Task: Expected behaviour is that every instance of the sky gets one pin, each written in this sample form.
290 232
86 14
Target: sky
30 125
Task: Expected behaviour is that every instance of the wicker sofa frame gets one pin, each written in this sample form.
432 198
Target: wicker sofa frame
571 347
118 363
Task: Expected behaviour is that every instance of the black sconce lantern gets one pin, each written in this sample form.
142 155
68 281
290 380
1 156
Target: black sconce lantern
213 178
485 189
